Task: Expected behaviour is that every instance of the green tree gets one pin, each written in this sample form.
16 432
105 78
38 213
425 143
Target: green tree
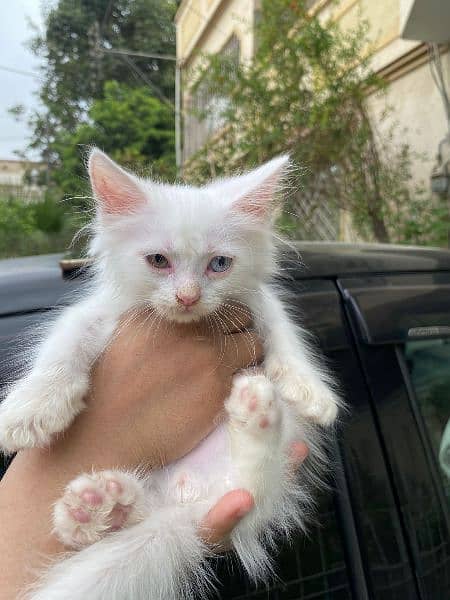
130 125
75 69
305 93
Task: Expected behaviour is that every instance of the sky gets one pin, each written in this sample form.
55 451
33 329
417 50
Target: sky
15 88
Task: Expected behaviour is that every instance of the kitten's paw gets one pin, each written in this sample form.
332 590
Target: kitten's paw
94 505
36 408
312 399
253 404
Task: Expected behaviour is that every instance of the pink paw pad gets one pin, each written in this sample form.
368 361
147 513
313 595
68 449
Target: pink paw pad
92 497
118 516
114 487
80 515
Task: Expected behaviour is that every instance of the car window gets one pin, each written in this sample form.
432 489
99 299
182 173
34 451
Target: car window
388 571
423 511
429 368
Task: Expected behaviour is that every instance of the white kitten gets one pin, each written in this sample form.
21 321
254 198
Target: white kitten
184 252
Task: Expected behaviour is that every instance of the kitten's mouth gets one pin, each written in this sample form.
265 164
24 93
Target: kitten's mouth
185 314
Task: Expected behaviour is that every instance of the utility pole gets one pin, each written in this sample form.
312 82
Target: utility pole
95 52
172 58
178 117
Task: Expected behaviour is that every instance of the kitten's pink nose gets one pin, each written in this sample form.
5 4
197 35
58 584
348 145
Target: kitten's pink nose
188 294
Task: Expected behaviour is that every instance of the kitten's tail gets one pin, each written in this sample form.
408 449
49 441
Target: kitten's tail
161 558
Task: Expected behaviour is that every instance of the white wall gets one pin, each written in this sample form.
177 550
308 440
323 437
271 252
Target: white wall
418 108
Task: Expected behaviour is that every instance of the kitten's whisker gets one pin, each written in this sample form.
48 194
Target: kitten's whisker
247 336
226 330
244 312
222 339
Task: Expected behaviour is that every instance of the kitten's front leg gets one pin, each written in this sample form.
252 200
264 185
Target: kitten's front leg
255 430
290 363
46 400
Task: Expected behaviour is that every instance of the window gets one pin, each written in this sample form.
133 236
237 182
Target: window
429 366
204 115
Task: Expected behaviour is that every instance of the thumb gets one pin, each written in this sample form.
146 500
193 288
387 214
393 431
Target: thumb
225 515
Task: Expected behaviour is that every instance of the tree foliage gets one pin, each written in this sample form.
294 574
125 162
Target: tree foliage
130 125
305 93
75 68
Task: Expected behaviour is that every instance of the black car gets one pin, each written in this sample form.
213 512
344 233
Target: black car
381 315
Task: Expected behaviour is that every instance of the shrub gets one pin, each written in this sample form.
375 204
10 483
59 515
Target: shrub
34 228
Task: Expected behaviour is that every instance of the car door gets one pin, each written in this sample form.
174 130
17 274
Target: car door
356 548
401 327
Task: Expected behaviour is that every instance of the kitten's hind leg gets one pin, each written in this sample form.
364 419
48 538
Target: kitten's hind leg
96 504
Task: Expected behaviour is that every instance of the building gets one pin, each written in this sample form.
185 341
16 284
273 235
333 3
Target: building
398 32
19 179
211 27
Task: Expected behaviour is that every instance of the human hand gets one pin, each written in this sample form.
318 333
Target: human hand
156 393
162 394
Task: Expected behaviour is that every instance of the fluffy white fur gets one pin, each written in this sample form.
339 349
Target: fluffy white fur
156 552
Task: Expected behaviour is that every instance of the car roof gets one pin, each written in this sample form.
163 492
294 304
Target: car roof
338 259
36 282
32 283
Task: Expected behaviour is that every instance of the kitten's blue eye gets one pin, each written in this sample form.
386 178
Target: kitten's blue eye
158 261
218 264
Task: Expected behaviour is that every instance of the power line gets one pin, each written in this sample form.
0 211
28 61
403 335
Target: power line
146 80
125 52
21 72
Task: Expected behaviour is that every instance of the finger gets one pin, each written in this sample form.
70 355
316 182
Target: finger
225 515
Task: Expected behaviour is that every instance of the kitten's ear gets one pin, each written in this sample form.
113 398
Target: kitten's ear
115 190
260 187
